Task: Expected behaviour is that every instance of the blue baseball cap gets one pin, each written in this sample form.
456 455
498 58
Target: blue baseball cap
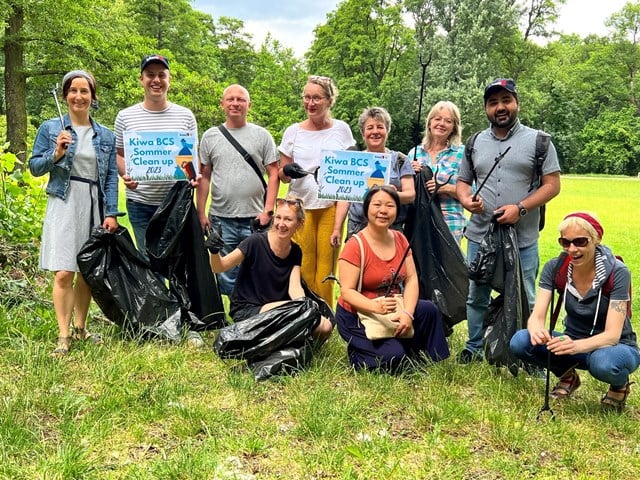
149 59
500 83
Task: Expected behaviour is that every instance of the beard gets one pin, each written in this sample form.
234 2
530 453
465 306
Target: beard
504 121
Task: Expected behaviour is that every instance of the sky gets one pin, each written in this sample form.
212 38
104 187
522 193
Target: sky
292 21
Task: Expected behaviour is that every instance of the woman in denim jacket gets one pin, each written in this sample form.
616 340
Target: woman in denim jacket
80 157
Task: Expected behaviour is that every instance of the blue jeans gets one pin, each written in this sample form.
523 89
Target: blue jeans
480 295
234 230
611 365
139 216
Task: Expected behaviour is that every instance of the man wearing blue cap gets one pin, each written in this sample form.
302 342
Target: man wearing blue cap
154 113
508 191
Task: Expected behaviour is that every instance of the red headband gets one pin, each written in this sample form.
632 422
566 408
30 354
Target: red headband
590 220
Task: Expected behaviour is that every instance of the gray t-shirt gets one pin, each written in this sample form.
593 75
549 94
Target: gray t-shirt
587 316
236 190
509 183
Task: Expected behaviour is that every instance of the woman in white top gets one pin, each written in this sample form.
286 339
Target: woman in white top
302 143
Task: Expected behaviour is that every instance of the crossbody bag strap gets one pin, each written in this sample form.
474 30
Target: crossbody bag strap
357 237
246 155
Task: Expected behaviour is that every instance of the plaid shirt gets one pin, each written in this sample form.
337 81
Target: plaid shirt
447 163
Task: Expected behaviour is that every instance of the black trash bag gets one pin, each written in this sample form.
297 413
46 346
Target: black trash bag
498 333
440 263
125 288
287 361
176 250
508 312
323 307
483 267
288 325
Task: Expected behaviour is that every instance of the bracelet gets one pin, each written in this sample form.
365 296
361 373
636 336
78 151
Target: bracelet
408 314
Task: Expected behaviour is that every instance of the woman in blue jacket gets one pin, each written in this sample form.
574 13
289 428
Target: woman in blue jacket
80 157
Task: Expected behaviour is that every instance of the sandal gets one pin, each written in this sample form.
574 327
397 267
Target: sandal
568 383
615 402
84 334
62 347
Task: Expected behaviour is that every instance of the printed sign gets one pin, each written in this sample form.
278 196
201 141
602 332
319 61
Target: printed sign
347 175
155 156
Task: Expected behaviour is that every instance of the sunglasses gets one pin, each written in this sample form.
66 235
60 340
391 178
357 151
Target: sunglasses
294 202
578 242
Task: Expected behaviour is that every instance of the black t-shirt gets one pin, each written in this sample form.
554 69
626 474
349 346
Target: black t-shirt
263 277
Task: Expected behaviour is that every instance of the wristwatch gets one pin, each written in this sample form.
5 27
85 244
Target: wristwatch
270 213
523 211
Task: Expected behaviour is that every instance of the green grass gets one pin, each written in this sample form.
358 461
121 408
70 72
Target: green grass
157 411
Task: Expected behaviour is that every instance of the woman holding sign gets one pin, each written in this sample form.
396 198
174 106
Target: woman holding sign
303 143
375 125
80 157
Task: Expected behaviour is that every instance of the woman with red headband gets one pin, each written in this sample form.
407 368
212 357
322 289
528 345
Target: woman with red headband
597 334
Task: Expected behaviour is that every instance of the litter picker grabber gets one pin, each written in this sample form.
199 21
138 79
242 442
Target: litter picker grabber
331 275
552 324
54 92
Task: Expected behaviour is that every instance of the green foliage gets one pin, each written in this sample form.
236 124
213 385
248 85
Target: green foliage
21 201
611 143
365 47
21 211
237 55
567 86
276 88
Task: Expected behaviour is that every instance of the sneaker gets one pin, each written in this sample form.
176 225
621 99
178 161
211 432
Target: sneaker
194 339
466 356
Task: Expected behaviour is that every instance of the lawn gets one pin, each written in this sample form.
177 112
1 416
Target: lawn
159 411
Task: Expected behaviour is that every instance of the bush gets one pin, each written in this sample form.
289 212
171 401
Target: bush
22 201
22 204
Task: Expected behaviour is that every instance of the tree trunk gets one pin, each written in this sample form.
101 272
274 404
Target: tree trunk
15 84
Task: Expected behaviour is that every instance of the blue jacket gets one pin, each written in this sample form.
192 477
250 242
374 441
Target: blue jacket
104 142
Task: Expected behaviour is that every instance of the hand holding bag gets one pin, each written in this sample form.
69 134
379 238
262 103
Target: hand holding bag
378 326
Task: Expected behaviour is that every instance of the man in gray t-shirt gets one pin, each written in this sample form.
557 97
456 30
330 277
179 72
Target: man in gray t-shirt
505 193
238 196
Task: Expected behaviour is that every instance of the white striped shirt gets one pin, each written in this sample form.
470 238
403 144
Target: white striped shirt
138 118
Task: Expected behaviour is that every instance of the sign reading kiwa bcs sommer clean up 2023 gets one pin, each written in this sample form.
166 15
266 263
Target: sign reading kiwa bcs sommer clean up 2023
155 156
347 175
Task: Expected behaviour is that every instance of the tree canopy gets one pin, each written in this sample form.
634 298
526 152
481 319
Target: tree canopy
584 91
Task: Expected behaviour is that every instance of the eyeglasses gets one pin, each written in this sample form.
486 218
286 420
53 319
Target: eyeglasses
578 242
294 202
314 99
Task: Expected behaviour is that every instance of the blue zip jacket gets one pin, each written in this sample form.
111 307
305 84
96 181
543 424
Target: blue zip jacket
104 143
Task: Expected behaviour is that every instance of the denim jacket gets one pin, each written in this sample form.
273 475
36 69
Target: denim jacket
104 143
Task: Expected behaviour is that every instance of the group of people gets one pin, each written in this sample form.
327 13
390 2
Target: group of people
269 247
